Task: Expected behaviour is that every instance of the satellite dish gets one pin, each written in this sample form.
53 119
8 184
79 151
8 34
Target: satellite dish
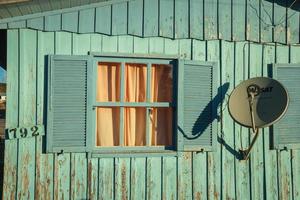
257 103
270 102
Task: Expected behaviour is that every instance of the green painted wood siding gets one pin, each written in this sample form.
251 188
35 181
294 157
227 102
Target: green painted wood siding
236 20
31 174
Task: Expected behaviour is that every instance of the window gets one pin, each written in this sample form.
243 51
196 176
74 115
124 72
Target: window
114 104
133 103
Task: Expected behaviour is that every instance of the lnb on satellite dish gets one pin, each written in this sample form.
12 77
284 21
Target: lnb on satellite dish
257 103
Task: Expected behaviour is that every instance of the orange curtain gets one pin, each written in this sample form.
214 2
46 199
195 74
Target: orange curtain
108 119
135 118
161 118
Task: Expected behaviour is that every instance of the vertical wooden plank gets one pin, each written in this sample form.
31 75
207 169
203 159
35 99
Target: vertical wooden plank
122 178
151 21
119 19
53 22
140 45
93 178
125 44
292 22
86 20
81 44
185 175
62 162
181 19
284 157
103 20
279 33
106 179
137 178
214 158
27 106
270 155
211 19
257 153
62 176
156 45
242 178
196 19
109 44
135 17
96 42
253 22
227 138
266 21
199 179
199 50
224 20
69 22
36 23
166 18
44 162
153 178
171 47
12 116
295 58
17 24
169 180
63 43
185 47
78 176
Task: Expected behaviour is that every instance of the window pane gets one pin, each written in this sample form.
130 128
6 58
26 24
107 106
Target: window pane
135 82
135 127
161 83
161 126
108 82
108 126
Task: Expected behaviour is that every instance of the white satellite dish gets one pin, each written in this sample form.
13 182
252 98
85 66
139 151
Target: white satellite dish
257 103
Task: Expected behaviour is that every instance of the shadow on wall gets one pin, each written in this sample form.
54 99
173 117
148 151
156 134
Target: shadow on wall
203 122
293 4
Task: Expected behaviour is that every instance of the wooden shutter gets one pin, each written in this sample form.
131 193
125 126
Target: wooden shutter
67 103
286 132
196 106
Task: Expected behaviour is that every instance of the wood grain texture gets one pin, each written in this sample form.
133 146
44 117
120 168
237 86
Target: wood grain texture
211 175
44 162
235 20
12 116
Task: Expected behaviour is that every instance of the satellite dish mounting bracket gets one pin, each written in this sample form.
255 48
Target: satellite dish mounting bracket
253 90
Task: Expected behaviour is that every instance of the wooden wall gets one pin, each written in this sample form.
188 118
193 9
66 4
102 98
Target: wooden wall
31 174
231 20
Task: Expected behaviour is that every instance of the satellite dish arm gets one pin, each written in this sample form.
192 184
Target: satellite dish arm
245 153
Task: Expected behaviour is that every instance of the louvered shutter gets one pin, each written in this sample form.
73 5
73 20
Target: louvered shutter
286 132
196 106
67 103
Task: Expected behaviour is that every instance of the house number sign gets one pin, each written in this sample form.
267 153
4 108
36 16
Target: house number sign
25 132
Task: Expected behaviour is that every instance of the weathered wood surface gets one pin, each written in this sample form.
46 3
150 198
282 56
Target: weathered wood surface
31 174
236 20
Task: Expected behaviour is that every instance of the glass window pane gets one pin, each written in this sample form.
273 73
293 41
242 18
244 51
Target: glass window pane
135 82
161 123
135 127
108 82
108 126
161 83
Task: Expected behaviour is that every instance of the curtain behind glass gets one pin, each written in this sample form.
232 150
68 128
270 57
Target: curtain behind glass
108 119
